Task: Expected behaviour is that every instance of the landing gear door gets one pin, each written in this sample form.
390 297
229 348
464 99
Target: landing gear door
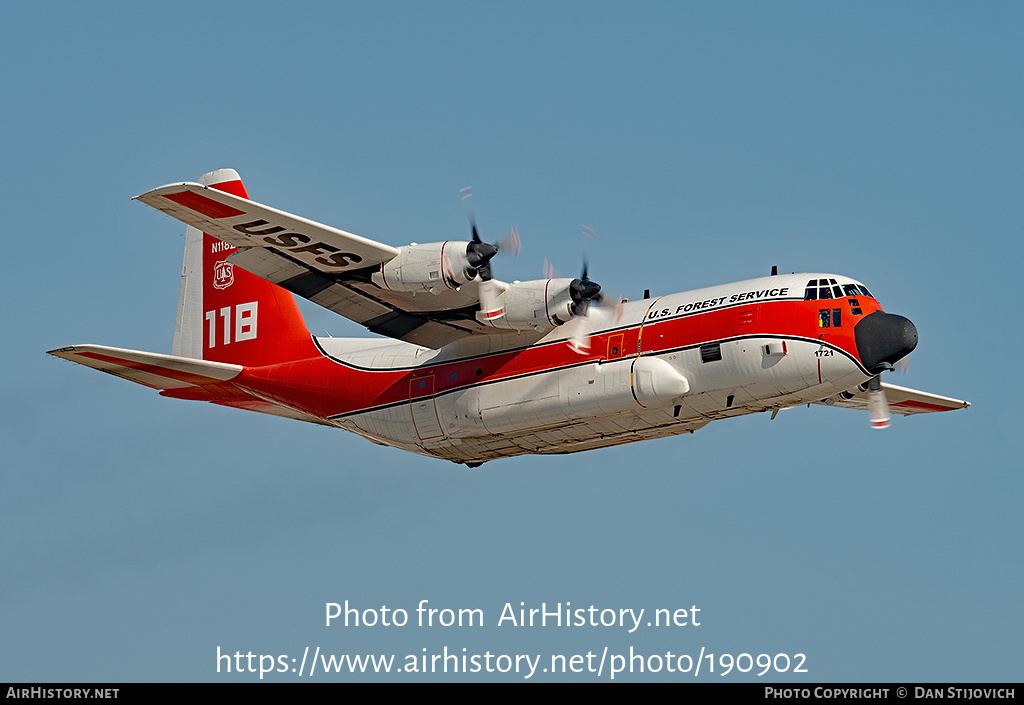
423 408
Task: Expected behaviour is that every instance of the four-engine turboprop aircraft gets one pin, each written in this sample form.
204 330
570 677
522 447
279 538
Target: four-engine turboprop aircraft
477 369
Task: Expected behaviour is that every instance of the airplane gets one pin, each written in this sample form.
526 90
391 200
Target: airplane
472 369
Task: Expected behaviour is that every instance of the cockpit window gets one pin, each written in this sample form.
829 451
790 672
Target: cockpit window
822 289
829 289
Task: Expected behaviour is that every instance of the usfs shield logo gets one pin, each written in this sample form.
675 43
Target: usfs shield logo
223 275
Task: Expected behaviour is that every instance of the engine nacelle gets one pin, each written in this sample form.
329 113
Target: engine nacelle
432 267
539 305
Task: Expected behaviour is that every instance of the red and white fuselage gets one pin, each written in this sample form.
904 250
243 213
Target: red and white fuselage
668 366
658 367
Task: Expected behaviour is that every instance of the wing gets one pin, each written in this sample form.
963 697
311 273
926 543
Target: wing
244 223
901 401
327 266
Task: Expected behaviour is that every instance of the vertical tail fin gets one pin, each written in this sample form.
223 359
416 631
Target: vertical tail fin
226 314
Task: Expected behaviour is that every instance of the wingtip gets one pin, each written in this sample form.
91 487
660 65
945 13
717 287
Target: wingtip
173 187
68 352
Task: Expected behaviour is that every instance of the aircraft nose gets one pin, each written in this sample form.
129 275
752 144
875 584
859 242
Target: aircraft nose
884 338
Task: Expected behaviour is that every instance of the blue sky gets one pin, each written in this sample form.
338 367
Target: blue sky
704 143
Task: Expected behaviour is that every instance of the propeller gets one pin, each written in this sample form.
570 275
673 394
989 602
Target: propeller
903 365
878 405
480 253
583 292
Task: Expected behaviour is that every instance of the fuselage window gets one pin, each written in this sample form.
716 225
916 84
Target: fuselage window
830 317
855 307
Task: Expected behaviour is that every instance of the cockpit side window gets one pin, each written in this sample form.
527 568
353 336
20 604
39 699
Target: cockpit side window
830 318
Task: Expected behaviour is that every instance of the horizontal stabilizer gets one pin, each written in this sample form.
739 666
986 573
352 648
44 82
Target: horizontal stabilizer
901 400
150 369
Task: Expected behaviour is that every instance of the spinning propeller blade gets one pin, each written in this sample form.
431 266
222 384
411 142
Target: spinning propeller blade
590 307
480 253
878 405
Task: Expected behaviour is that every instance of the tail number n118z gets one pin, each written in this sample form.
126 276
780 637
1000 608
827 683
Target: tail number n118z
243 329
